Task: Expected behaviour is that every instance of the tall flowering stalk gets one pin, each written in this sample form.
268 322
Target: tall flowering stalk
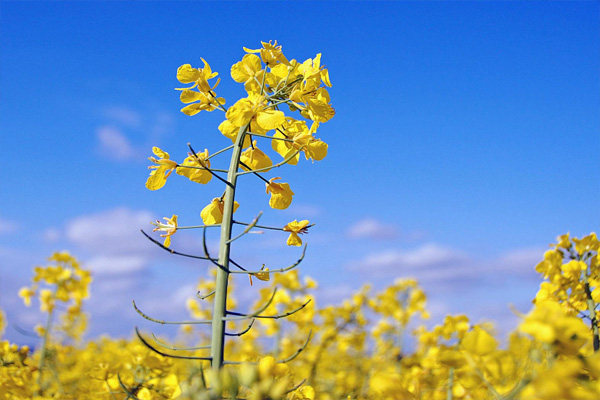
271 82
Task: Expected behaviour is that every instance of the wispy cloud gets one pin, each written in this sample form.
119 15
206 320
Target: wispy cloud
127 134
110 232
373 229
124 116
115 145
432 262
8 226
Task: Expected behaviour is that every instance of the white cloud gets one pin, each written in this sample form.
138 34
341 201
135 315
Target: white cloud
7 226
372 228
51 235
124 116
451 268
519 262
115 231
305 210
427 256
119 264
115 145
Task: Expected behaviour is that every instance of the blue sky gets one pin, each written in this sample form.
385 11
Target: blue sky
465 140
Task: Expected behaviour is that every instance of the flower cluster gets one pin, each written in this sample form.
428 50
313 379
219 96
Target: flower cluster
360 349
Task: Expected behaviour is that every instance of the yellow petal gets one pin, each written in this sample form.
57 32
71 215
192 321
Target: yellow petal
160 153
270 119
189 96
317 150
192 109
187 74
479 342
240 113
294 240
157 179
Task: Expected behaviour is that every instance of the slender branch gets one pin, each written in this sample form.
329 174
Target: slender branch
206 296
248 228
219 152
281 361
263 308
273 166
206 251
271 137
223 108
202 168
242 332
296 387
25 332
199 161
126 389
241 316
139 335
158 321
178 348
255 173
159 244
275 270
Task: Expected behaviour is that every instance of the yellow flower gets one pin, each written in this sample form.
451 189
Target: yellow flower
200 76
206 102
170 228
303 140
263 276
161 171
479 342
196 173
250 72
295 228
46 300
27 293
231 131
304 393
281 194
255 158
212 214
269 368
254 108
270 54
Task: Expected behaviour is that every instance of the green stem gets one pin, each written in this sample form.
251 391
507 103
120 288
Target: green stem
450 384
44 350
219 310
592 310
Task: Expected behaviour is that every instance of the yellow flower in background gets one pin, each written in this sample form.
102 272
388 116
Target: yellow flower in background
27 293
46 300
270 54
479 342
170 228
160 172
255 158
296 228
281 194
212 214
196 174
